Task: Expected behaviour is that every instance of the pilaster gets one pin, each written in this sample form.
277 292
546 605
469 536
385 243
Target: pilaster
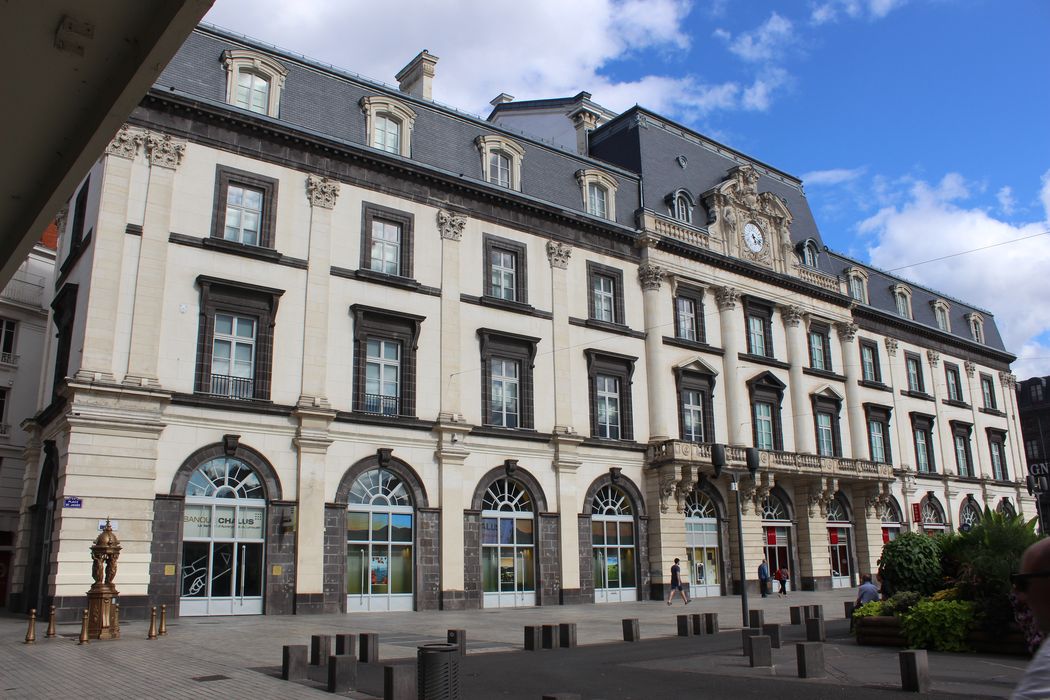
566 463
450 226
858 433
731 322
451 454
805 440
868 504
558 254
311 442
322 194
812 534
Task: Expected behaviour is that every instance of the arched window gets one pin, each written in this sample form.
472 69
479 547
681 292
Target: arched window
933 520
809 254
969 515
702 544
837 512
613 545
254 81
1006 508
508 541
388 124
506 495
379 487
379 556
599 193
774 509
683 208
700 505
776 535
501 160
891 520
839 543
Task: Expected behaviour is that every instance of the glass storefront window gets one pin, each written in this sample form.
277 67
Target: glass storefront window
379 532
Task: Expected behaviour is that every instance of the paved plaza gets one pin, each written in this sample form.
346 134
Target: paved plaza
241 657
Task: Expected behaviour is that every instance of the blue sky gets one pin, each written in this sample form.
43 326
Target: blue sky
919 127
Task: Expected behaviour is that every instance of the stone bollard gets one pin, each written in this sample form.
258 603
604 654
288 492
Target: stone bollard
567 635
685 627
711 623
815 630
31 631
810 657
342 673
320 648
550 637
745 638
698 623
761 652
915 671
368 647
795 611
50 624
293 662
756 618
849 606
772 630
459 638
344 644
631 632
533 638
812 611
399 683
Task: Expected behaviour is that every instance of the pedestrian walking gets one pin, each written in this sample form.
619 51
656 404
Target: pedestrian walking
676 583
763 578
1032 587
782 577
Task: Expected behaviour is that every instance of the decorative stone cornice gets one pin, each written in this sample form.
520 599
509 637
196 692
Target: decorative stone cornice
164 151
321 191
891 346
792 315
726 298
126 143
847 331
933 356
558 254
971 367
450 225
651 276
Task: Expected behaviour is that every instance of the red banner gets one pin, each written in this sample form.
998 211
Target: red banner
885 535
771 536
916 513
833 535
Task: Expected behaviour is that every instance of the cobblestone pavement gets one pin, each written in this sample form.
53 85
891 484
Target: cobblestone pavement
240 656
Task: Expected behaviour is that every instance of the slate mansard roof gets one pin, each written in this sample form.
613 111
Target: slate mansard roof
649 155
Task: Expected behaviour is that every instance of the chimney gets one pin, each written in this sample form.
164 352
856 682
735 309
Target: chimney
501 99
417 78
585 120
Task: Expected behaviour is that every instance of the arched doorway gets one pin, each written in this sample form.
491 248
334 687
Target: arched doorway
840 535
702 544
933 520
379 537
508 545
891 520
613 542
223 540
776 531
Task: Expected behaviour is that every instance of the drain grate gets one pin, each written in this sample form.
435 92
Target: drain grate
205 679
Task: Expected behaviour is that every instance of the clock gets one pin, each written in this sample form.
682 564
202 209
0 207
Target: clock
753 237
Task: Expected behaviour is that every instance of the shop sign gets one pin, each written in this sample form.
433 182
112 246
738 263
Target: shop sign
916 512
72 502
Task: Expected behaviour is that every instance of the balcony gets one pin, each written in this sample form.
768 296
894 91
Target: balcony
380 405
8 358
775 462
678 230
241 388
820 279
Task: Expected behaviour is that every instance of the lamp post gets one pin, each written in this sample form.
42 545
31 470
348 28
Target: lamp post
718 461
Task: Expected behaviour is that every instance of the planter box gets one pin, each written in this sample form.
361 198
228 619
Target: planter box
886 631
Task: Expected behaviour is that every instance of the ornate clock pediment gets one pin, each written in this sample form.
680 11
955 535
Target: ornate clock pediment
749 224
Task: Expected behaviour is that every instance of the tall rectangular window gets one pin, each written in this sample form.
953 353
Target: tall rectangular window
877 438
922 451
503 274
819 347
914 368
825 435
878 418
942 317
244 206
7 342
609 388
756 335
998 461
988 392
763 425
962 455
692 416
597 203
608 392
505 406
4 427
386 247
382 376
387 134
869 361
856 289
685 312
233 356
76 230
604 295
499 168
902 305
506 377
951 376
1031 449
384 379
253 92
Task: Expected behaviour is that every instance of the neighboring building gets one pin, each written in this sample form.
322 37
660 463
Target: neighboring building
1033 403
23 329
326 345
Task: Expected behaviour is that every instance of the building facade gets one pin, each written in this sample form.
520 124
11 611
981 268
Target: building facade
325 345
1033 403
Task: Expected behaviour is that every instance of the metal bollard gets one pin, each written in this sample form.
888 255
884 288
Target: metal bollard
51 624
84 629
438 672
31 632
152 634
163 621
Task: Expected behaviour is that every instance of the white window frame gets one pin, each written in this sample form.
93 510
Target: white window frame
825 435
240 237
499 376
877 440
902 298
607 392
988 392
503 278
765 437
868 361
375 106
816 350
385 245
234 340
942 313
257 64
922 451
756 335
8 341
687 327
858 284
604 299
998 460
682 209
953 383
588 177
692 412
382 363
913 369
492 145
976 324
962 455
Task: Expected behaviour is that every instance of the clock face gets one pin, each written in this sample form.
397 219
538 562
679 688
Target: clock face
753 237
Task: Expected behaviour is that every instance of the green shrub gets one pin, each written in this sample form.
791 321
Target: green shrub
912 562
872 609
939 625
900 603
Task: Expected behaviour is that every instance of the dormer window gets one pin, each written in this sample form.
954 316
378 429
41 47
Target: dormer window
809 253
942 312
680 203
500 161
902 297
388 124
858 284
599 193
254 82
976 322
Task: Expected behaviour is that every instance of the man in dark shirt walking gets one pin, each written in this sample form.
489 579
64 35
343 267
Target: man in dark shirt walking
676 583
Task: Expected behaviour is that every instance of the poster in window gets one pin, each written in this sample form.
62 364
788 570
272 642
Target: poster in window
380 571
506 572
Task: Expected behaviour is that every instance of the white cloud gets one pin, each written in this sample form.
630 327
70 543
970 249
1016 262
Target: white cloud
1005 195
932 221
833 10
764 43
834 176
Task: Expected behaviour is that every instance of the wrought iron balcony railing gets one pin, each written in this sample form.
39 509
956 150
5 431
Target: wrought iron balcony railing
232 387
382 405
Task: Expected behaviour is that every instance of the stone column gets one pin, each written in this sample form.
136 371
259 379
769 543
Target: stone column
450 226
754 543
558 254
666 525
658 387
311 442
868 500
901 422
108 259
851 363
164 155
801 409
566 463
738 421
322 194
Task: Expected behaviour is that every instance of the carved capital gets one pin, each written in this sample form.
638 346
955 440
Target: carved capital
1009 380
164 151
971 368
126 143
726 297
847 331
933 356
321 191
792 315
891 346
651 276
558 254
450 225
